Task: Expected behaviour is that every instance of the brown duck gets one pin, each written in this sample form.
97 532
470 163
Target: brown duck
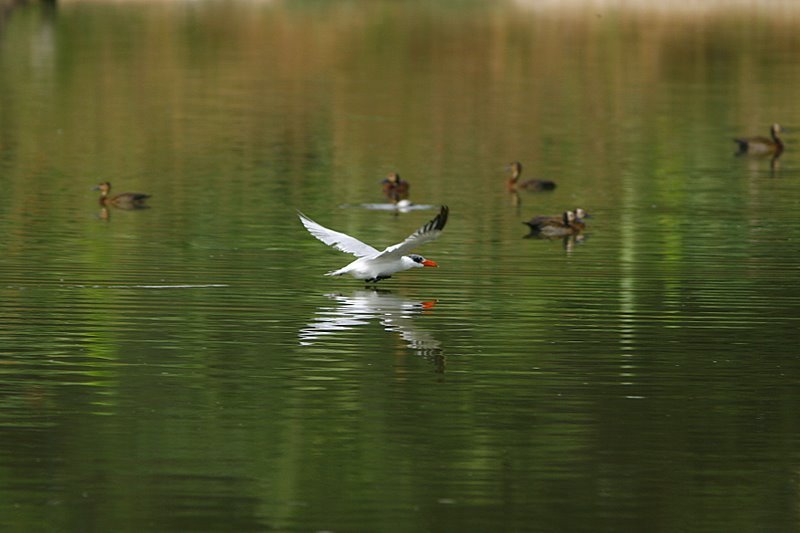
125 200
531 185
579 215
395 188
762 145
546 226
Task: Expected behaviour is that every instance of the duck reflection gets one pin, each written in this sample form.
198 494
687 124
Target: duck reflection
569 241
105 212
755 164
394 313
774 165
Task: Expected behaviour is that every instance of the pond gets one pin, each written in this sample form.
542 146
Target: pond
188 366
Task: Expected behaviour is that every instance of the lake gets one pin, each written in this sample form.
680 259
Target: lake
189 367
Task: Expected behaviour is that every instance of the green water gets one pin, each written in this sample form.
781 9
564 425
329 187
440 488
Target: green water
188 366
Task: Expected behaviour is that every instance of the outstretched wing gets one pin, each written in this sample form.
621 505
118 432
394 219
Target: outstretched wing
428 232
340 241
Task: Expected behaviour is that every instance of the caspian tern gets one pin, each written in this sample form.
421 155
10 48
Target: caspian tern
372 265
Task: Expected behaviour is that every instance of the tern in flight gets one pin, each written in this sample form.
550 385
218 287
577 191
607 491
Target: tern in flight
373 265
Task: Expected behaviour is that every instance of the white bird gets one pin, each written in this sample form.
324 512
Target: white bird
372 265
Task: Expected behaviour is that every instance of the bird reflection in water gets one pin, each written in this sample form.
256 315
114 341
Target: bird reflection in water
394 313
569 241
755 165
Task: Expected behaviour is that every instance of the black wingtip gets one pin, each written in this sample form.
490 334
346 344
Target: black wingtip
437 223
441 218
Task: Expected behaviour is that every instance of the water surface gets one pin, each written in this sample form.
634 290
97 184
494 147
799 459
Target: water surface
189 367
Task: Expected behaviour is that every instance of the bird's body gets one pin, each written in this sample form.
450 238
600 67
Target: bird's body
126 200
579 215
514 182
376 268
762 145
373 265
547 226
395 188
